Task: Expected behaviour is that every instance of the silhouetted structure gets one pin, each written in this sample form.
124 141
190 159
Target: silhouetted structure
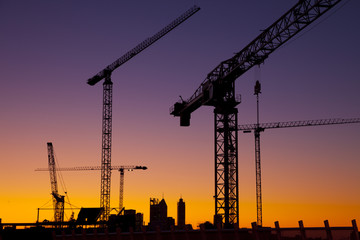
88 215
130 219
158 215
181 214
257 128
209 232
121 169
47 230
107 106
58 200
218 90
218 219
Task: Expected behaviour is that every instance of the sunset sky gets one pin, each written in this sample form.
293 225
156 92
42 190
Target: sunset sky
48 50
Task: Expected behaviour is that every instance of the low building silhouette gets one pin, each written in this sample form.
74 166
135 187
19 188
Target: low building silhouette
130 219
158 215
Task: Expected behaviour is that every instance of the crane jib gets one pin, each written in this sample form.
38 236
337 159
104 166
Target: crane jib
291 23
142 46
218 90
304 123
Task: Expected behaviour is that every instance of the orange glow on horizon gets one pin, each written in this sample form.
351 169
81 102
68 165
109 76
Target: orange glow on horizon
309 174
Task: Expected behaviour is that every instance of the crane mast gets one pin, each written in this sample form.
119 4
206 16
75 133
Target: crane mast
218 90
58 200
257 91
257 128
121 192
106 148
107 106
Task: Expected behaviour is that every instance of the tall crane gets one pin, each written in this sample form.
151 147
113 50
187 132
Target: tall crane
257 91
257 128
218 90
107 106
121 169
58 200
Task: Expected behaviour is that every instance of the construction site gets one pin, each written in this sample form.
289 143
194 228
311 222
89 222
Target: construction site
110 155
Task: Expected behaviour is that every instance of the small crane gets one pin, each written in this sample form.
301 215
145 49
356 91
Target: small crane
107 106
58 200
121 169
257 128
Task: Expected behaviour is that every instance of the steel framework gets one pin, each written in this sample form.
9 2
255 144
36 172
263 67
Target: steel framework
217 89
258 178
121 169
258 128
226 165
121 194
257 91
106 149
58 200
302 123
107 106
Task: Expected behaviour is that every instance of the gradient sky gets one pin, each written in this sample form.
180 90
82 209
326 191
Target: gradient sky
48 49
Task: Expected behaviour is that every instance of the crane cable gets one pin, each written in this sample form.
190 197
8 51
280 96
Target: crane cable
62 182
46 203
315 25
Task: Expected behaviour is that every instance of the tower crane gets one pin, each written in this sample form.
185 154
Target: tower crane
304 123
107 106
218 90
58 200
121 169
257 128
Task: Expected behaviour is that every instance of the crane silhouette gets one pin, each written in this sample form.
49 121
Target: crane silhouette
121 169
218 90
257 128
58 200
107 106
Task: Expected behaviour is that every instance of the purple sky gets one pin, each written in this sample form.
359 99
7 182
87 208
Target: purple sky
48 49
